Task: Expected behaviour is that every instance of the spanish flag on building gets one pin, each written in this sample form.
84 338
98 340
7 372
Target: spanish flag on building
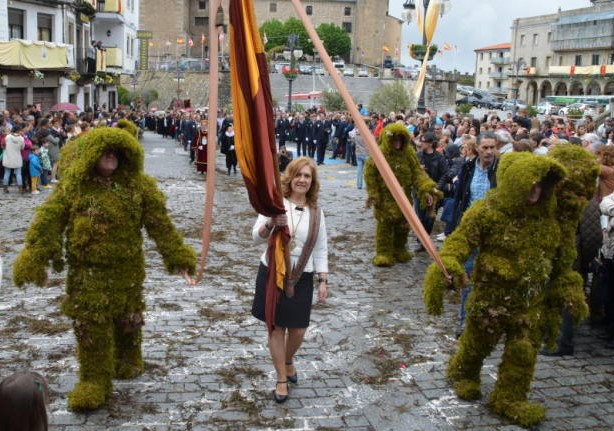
255 137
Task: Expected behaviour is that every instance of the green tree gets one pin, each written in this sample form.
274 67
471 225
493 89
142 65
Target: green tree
274 30
149 96
466 79
333 101
392 97
335 40
124 97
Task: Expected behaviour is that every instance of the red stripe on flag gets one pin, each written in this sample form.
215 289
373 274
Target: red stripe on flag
255 134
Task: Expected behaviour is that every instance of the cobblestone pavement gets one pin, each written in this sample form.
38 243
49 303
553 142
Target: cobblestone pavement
372 359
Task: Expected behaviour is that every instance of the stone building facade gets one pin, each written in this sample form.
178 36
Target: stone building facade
565 53
491 68
367 22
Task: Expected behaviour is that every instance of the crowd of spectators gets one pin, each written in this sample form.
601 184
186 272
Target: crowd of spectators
30 143
459 152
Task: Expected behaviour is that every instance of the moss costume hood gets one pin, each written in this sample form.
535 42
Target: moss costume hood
96 225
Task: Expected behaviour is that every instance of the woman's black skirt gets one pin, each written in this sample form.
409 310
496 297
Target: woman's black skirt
292 312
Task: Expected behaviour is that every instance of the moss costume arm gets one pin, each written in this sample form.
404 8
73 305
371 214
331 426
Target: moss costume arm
44 242
567 291
455 251
175 254
373 181
435 284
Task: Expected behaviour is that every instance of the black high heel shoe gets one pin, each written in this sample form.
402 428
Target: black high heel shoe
294 377
279 398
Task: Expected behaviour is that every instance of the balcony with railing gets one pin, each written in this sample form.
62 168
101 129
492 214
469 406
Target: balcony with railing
29 54
499 90
501 60
114 58
498 76
110 10
584 71
109 6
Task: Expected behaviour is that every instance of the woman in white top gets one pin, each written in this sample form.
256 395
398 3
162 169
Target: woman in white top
12 160
300 189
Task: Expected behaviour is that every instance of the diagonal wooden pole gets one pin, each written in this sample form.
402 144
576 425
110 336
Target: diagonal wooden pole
211 143
380 161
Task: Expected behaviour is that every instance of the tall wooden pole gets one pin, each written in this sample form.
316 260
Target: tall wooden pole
382 165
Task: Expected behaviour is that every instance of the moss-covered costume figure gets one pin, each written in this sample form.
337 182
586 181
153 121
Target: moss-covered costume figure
96 214
566 288
517 233
392 228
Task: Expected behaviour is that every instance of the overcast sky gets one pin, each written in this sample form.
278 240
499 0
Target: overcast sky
472 24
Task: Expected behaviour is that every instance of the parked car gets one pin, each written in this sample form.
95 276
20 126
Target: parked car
471 100
363 73
513 104
193 65
487 101
320 71
167 66
545 107
339 63
348 71
305 69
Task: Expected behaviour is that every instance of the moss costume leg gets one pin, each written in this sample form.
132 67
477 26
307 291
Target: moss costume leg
400 252
128 337
509 398
95 355
384 243
464 366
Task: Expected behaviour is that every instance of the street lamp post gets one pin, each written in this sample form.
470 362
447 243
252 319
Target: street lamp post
410 6
179 79
518 64
134 83
292 52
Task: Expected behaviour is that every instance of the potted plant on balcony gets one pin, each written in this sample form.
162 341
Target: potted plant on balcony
37 74
84 7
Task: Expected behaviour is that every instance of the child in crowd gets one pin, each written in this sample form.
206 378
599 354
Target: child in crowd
46 164
35 168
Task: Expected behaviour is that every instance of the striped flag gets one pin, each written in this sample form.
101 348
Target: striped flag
255 138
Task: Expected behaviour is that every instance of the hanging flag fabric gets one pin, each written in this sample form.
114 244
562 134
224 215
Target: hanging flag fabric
447 47
180 41
422 74
265 39
255 144
385 48
202 38
431 20
190 43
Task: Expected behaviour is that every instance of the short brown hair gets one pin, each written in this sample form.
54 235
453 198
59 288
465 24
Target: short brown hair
607 155
292 170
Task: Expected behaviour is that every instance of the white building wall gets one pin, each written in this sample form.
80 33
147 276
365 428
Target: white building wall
31 19
4 20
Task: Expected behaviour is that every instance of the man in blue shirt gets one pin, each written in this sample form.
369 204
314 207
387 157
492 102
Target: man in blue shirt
476 177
